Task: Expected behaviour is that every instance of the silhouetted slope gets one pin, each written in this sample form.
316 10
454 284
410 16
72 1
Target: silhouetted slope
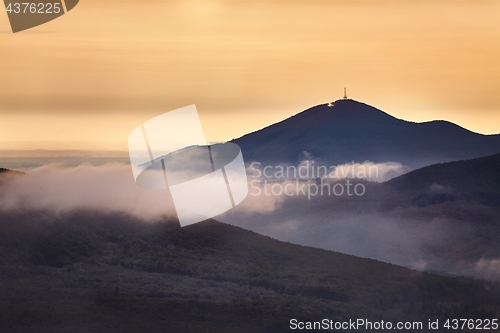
94 273
4 171
352 131
475 180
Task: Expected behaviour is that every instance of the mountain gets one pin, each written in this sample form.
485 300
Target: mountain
88 272
443 217
348 130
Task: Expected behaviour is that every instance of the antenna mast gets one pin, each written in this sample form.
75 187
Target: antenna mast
345 93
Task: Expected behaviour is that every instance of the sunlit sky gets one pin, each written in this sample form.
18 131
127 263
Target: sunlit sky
87 79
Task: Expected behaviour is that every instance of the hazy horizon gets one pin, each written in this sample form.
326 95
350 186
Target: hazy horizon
24 148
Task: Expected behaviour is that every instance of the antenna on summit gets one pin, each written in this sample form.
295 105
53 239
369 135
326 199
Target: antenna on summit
345 93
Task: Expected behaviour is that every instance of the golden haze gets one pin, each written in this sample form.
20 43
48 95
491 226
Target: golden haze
85 80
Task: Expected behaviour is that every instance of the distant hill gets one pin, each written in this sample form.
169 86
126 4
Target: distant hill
352 131
4 173
87 272
475 180
29 159
443 217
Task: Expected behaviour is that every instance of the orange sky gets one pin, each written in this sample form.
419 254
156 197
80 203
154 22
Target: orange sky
85 80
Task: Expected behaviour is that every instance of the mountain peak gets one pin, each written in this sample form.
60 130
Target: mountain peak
342 112
348 130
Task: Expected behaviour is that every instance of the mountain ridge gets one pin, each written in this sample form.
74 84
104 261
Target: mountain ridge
123 275
349 131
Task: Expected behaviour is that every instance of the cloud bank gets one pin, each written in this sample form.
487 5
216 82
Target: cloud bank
107 188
